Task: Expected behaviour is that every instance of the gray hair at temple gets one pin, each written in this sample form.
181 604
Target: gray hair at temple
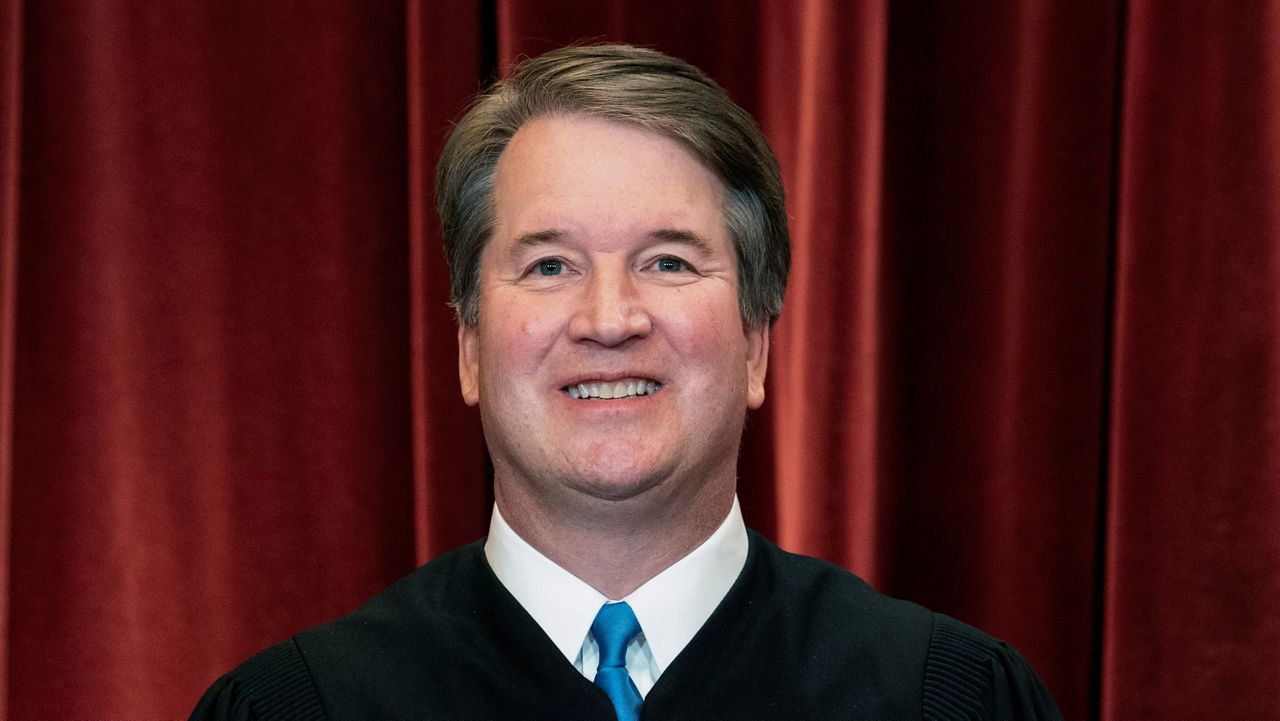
641 87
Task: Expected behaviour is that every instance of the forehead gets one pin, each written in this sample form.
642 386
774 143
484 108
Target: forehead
581 175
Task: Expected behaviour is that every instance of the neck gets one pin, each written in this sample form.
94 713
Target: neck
615 546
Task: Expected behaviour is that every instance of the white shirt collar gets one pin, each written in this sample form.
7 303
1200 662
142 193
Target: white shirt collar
671 606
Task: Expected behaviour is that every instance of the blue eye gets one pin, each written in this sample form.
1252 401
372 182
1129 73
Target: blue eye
551 266
670 265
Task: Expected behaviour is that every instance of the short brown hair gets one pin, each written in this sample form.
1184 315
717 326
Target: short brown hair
631 85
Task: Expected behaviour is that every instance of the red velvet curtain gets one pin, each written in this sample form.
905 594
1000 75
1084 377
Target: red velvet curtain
1028 373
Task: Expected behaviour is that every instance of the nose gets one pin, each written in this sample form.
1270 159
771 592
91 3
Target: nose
611 310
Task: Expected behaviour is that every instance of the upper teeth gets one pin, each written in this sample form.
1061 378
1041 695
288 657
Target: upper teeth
625 388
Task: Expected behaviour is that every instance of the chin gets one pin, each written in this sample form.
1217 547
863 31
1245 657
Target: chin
617 483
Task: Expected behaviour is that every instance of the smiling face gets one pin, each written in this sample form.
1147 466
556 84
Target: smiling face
610 361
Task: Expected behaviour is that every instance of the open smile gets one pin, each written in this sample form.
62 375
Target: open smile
611 390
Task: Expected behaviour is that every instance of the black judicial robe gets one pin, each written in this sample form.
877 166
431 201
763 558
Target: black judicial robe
795 638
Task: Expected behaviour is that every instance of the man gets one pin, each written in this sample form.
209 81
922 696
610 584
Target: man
617 237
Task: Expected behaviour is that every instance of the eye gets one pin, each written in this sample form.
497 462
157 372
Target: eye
669 264
549 267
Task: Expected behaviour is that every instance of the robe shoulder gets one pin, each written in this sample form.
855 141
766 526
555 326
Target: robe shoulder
280 683
272 685
971 675
935 666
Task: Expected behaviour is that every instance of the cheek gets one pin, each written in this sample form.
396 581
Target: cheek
710 333
532 325
519 336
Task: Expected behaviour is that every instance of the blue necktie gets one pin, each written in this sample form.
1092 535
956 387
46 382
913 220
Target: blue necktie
613 629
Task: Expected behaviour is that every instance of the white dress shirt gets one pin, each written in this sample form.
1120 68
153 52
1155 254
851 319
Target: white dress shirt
671 606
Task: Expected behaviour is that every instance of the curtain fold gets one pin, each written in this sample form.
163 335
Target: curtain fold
211 392
996 237
10 144
1028 373
826 380
1194 512
446 67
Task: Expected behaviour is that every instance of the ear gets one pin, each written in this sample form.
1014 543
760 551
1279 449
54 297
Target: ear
757 363
469 364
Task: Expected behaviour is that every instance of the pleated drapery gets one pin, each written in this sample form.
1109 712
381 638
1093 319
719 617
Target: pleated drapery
1028 373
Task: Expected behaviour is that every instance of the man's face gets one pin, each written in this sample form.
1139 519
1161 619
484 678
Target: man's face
609 273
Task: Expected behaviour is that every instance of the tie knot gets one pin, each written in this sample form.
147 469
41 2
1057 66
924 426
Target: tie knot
613 629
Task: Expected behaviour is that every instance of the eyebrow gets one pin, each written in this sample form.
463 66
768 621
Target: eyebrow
683 237
667 235
532 240
541 237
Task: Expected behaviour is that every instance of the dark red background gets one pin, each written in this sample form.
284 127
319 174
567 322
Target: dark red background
1028 373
